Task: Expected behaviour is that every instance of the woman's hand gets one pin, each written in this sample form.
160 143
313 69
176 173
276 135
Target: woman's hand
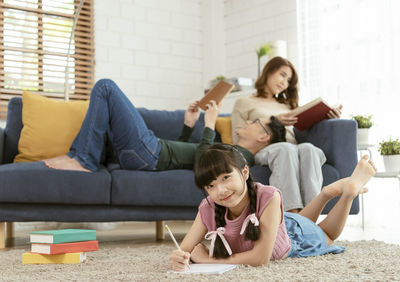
211 114
200 254
192 114
179 260
287 119
335 112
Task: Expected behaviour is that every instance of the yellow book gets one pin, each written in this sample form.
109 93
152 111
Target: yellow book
68 258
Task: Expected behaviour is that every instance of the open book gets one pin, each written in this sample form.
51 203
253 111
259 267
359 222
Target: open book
311 113
217 93
204 268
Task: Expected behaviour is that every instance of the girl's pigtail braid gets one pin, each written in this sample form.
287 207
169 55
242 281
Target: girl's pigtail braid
252 231
219 248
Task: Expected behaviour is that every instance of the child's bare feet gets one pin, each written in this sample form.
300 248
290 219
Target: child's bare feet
363 172
65 163
335 189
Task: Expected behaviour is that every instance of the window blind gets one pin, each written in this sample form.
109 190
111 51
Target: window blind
34 37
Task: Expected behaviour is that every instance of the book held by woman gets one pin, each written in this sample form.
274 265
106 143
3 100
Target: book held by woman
311 113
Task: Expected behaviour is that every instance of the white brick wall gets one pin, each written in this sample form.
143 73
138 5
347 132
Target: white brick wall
152 49
162 53
250 23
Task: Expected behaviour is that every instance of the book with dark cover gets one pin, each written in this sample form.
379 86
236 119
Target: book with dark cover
62 236
311 113
217 93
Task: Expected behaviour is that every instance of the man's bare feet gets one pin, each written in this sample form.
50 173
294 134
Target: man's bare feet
64 162
55 159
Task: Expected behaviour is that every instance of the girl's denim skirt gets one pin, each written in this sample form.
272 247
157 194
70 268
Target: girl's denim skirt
307 238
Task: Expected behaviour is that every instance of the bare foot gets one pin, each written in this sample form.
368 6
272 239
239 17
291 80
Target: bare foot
336 188
65 163
363 172
53 161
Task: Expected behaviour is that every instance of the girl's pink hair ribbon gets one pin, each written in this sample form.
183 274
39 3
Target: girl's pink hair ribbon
212 235
252 217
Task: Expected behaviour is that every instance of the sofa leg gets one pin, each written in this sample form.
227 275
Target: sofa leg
2 235
159 230
10 230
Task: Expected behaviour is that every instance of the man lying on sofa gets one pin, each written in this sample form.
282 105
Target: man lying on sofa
137 148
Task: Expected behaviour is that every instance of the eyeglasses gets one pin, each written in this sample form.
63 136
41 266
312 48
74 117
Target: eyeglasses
260 123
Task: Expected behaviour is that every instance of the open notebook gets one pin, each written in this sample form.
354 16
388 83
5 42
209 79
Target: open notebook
204 268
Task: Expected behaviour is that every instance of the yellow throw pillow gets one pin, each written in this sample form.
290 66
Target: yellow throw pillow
224 127
50 126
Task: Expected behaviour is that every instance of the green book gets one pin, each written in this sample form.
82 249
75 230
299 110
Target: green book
62 236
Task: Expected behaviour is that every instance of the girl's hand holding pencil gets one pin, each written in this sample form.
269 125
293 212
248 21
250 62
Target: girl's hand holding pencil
179 259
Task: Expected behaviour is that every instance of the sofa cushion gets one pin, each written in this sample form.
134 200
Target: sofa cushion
223 126
155 188
35 183
50 126
13 129
162 188
330 174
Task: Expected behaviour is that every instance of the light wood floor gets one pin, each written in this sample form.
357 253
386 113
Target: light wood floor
112 234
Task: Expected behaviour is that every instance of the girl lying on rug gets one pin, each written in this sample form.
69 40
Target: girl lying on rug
245 222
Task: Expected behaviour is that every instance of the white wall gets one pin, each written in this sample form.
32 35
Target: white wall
163 53
253 22
152 49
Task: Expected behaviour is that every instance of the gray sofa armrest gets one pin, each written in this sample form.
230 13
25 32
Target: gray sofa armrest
338 140
2 136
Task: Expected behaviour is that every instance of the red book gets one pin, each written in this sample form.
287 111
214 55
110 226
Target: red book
62 248
311 113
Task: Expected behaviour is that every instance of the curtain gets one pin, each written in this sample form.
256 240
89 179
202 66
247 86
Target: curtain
349 54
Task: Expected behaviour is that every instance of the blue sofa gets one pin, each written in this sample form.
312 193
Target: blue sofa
33 192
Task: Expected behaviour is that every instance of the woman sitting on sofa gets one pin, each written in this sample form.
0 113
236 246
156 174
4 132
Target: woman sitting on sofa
299 163
137 148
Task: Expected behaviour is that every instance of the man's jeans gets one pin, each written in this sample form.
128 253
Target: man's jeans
111 112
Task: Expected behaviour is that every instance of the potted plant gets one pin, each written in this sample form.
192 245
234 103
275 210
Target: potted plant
216 80
390 150
364 123
264 49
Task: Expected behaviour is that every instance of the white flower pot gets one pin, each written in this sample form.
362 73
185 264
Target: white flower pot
363 136
391 162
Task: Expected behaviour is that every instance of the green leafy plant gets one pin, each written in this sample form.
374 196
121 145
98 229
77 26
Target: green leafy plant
264 49
216 80
363 121
389 147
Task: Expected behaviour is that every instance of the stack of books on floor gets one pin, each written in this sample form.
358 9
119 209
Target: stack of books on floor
64 246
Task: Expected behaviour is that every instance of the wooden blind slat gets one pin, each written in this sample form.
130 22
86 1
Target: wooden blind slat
41 52
38 61
12 92
50 95
33 72
33 83
31 66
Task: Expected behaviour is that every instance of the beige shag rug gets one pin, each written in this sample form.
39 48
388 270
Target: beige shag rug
362 261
